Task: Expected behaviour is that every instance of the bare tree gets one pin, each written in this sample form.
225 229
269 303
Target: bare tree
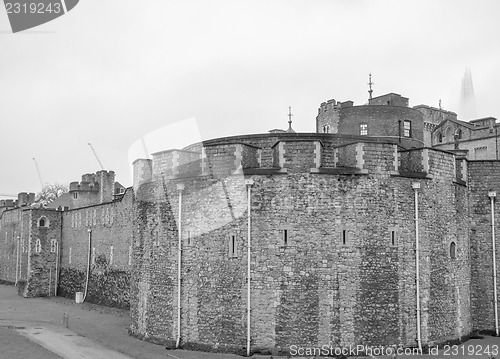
50 192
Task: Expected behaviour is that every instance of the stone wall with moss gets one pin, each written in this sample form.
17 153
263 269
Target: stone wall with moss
110 287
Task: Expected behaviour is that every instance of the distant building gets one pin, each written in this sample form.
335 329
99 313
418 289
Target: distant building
478 139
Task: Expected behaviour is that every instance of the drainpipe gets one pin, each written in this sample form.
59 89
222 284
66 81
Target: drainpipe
17 261
249 184
399 130
57 269
416 187
496 142
88 264
492 195
180 188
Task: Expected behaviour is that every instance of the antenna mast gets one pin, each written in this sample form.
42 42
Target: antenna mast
95 154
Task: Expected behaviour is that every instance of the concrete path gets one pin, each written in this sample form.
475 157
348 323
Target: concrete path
69 344
14 345
94 331
33 328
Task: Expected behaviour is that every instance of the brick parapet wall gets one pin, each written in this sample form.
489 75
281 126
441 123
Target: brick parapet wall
266 143
297 155
434 163
303 154
379 158
213 160
346 156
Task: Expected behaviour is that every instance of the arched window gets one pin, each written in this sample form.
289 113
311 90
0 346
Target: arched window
440 137
43 222
458 133
453 250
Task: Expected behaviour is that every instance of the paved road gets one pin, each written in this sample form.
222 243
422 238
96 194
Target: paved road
33 328
14 345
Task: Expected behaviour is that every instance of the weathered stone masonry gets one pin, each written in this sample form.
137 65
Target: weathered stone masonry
332 233
49 250
111 252
336 278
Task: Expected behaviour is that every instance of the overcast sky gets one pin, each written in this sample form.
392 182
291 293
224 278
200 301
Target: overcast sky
111 71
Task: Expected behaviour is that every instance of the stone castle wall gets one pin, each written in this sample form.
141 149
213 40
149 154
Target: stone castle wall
52 251
333 244
337 277
44 239
10 228
110 251
483 178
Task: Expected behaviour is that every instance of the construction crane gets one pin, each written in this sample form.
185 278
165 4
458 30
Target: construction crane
38 171
95 154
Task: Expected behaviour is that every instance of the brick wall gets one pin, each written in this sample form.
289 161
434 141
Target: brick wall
382 121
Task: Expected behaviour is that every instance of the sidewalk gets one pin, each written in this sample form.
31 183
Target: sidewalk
96 332
108 327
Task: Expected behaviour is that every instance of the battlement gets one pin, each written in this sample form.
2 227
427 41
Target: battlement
215 160
434 163
8 203
301 153
84 186
91 182
297 155
25 199
94 188
434 116
332 104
